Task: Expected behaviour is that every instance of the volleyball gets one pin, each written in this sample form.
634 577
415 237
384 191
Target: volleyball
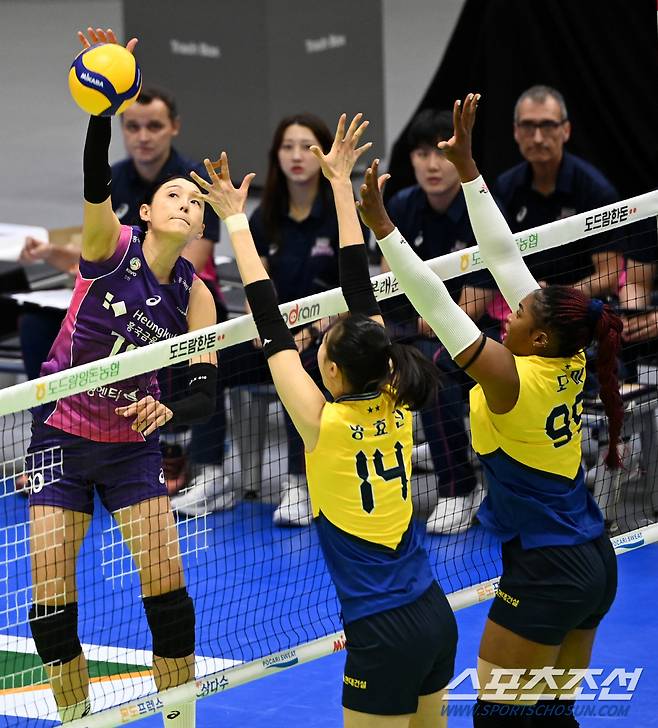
105 79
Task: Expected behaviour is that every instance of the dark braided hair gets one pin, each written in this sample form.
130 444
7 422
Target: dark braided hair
575 321
371 363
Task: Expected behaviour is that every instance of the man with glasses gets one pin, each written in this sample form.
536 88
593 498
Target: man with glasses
551 184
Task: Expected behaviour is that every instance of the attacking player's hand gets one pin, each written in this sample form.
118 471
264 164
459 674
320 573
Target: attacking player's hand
371 206
98 35
226 200
148 414
458 148
339 162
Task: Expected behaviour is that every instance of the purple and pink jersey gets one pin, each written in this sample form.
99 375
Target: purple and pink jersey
117 305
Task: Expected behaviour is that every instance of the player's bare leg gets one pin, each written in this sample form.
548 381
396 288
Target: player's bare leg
56 535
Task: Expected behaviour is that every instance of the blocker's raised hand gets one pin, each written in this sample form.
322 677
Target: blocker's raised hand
339 162
225 199
458 148
371 206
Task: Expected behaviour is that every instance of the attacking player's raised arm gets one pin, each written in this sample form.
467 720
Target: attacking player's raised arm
299 394
100 226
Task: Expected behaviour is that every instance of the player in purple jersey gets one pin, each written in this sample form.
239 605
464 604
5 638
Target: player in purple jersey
133 289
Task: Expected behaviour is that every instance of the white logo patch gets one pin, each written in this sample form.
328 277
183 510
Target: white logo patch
153 301
118 308
135 263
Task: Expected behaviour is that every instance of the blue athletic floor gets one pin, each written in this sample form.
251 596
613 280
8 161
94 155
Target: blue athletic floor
259 589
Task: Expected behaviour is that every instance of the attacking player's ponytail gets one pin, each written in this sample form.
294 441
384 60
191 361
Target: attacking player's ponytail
577 321
371 363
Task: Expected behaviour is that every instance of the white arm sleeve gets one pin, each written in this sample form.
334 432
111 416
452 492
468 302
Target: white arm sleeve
497 245
429 296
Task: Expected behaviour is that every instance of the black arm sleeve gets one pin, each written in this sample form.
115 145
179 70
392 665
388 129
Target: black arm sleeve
199 405
95 164
272 329
355 281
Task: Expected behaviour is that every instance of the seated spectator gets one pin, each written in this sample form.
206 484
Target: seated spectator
433 218
149 127
296 233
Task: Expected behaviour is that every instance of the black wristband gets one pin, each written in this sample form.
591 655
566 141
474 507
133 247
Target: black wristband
274 334
199 406
355 281
95 165
477 353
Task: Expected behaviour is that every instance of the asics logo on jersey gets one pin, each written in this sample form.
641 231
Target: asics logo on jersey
118 308
153 301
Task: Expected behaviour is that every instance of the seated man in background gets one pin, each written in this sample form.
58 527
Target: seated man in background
432 216
551 184
149 127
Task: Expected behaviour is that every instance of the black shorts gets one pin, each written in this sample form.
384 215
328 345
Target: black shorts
397 655
546 592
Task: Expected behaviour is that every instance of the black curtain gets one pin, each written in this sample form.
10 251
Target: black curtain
601 54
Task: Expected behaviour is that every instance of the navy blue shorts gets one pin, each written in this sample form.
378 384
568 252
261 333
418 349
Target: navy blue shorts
397 655
546 592
63 470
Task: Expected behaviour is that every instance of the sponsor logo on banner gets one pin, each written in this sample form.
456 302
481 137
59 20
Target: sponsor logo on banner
282 660
210 686
298 313
609 218
340 643
464 262
140 709
628 541
79 381
487 591
528 241
192 347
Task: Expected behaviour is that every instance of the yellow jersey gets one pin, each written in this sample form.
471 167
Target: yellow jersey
531 456
359 480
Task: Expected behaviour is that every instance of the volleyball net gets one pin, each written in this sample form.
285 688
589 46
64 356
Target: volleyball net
263 598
